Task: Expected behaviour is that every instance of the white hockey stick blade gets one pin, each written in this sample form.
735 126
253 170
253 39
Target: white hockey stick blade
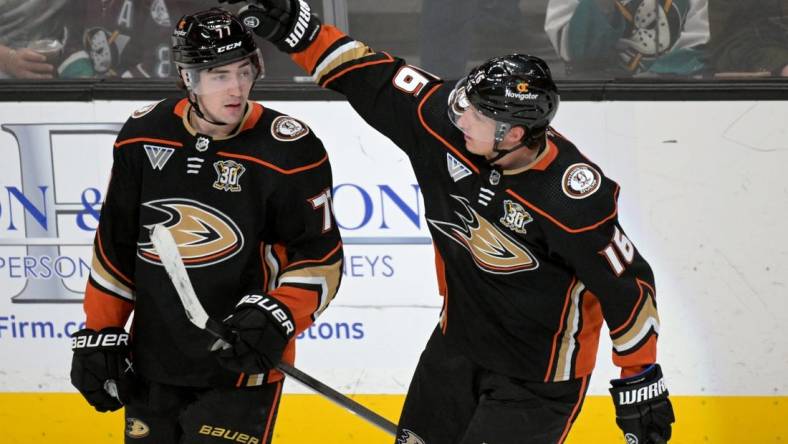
170 257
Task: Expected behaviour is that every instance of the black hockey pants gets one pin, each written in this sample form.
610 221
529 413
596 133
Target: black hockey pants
451 400
166 414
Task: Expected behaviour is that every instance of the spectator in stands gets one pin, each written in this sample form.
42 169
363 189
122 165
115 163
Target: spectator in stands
616 38
131 39
24 63
21 23
107 39
459 34
749 38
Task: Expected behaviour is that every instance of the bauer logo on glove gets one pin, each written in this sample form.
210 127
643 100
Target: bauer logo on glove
99 340
273 307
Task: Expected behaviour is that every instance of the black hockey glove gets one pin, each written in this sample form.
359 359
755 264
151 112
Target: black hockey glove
643 410
288 24
101 367
262 326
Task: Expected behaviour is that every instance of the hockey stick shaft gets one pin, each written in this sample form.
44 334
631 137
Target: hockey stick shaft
319 387
220 332
170 257
338 398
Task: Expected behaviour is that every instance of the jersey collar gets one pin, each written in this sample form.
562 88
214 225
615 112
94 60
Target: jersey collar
542 161
250 119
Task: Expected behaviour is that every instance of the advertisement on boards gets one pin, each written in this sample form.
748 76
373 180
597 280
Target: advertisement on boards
700 199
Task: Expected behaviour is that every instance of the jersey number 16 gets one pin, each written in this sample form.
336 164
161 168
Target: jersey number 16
619 252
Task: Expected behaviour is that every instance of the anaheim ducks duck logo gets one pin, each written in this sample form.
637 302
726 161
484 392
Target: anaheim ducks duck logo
205 236
492 249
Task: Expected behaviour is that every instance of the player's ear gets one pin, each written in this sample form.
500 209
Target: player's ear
516 134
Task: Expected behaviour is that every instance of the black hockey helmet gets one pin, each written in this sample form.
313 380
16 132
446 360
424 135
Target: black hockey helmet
516 89
212 38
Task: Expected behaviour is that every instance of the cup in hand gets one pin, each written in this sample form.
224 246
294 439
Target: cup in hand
52 49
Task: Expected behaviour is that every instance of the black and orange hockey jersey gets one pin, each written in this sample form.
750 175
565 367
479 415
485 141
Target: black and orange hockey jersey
531 261
250 212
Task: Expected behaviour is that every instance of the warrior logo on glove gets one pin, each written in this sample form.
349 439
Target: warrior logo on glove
643 410
301 25
642 394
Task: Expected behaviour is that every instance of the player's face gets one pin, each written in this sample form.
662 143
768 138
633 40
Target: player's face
224 90
479 131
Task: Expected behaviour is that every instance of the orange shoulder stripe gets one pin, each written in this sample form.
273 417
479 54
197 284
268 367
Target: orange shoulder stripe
180 107
272 166
148 139
435 135
552 153
254 116
307 59
557 222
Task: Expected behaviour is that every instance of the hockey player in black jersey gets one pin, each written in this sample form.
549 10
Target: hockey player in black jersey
531 258
246 193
